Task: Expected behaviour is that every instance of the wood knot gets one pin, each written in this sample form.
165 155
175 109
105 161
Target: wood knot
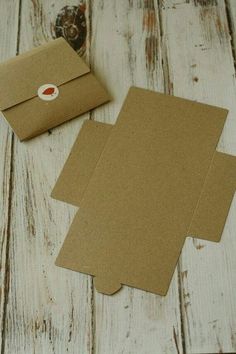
71 24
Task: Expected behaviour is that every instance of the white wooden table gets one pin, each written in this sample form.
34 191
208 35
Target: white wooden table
185 48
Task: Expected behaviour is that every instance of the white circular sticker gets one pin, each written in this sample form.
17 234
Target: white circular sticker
48 92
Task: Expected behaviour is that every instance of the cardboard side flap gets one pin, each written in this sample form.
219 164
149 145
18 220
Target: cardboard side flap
52 63
80 165
215 200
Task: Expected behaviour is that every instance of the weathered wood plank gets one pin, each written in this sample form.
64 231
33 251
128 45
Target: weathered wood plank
49 308
230 7
201 68
186 51
8 39
125 51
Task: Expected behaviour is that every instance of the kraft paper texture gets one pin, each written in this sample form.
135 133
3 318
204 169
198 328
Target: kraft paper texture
53 63
143 186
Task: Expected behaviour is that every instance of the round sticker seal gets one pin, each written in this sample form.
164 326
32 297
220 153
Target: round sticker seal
48 92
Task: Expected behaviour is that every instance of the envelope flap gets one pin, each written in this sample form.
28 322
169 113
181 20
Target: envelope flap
52 63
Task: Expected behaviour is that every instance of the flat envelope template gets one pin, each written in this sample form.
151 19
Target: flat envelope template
143 186
45 87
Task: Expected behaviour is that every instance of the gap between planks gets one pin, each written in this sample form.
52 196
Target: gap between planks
10 194
168 89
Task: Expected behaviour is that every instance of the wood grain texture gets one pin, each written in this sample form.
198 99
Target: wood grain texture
8 40
186 48
126 50
48 309
230 7
201 68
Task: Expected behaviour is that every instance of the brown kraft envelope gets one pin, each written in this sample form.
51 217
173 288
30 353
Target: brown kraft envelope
68 88
219 188
154 181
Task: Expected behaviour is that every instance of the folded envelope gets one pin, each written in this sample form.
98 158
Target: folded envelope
143 186
45 87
